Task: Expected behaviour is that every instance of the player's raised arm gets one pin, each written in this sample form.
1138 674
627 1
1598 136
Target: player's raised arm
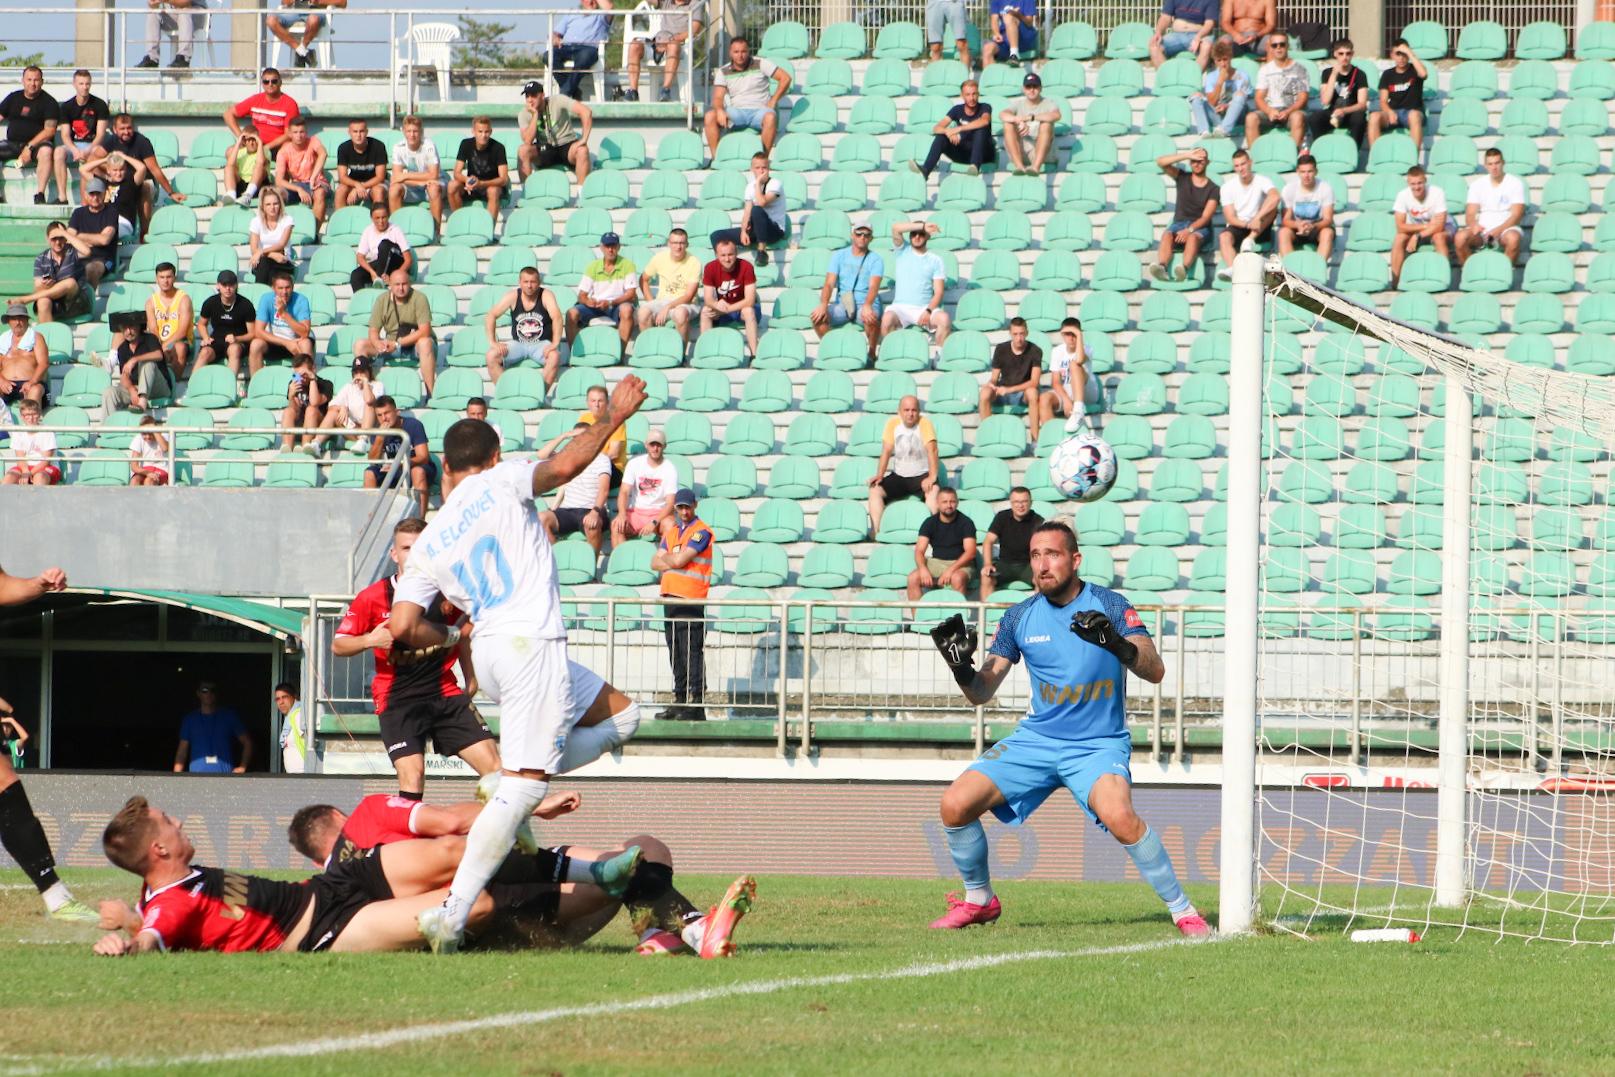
957 643
567 464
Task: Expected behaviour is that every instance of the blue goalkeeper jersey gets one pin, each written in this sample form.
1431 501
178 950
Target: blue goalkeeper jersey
1078 689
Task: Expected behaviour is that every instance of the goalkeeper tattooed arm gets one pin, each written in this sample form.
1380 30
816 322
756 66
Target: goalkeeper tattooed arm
956 641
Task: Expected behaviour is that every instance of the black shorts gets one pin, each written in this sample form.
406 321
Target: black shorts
1239 235
16 394
547 156
1305 239
570 521
339 892
897 487
380 471
277 353
453 724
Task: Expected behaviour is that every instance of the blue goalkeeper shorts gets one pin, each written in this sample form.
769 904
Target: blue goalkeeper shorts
1027 766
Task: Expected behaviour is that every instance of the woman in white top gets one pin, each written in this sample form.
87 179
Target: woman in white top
270 237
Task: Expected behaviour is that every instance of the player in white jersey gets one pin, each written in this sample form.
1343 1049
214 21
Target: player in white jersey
488 554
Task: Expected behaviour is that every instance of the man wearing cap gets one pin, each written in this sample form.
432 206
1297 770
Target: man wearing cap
24 360
93 231
138 370
729 293
606 292
684 558
226 321
677 274
550 137
645 498
1031 121
534 320
400 323
920 278
58 277
851 291
964 136
208 735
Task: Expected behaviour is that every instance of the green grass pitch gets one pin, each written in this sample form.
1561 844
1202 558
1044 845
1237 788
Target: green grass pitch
834 976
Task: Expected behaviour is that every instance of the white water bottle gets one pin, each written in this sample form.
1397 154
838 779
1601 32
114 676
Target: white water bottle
1385 934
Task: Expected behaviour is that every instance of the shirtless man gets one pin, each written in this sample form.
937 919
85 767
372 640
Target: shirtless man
1246 24
24 359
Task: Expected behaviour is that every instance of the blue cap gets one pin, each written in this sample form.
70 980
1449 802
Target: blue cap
685 496
611 239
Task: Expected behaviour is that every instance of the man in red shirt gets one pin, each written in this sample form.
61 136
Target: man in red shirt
729 292
271 111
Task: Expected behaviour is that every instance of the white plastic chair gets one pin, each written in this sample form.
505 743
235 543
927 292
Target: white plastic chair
322 44
642 24
432 43
202 30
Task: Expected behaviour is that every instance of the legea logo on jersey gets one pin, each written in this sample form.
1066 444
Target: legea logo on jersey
1037 639
1078 693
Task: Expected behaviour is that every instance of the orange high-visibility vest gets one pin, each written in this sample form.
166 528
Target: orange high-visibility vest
693 580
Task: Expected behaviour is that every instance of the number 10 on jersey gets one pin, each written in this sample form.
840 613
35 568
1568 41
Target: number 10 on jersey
485 576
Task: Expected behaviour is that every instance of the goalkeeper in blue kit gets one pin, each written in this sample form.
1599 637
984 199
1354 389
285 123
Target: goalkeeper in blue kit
1079 641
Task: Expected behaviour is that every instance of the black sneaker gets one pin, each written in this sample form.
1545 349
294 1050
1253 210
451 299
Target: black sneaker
630 95
665 94
146 61
299 59
39 198
762 256
179 62
310 60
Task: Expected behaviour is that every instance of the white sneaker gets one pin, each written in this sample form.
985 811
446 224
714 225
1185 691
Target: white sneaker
433 927
1157 270
1225 274
1179 272
359 446
1077 423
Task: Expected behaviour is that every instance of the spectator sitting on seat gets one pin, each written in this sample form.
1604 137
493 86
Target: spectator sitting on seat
920 278
943 17
908 444
1184 26
1493 211
58 278
92 230
1011 530
477 408
945 551
575 45
1015 376
617 443
125 180
246 169
677 274
283 329
676 27
851 291
1344 96
172 318
82 124
1072 384
741 96
33 452
645 496
1282 88
555 133
1030 121
182 18
1249 206
481 168
1309 210
148 454
136 150
300 171
307 397
227 322
383 247
534 318
1225 95
295 12
24 360
605 292
580 505
138 370
1195 205
272 112
269 238
400 323
762 213
353 407
964 136
31 117
417 173
729 293
1246 24
1421 216
415 460
1013 28
361 168
1401 97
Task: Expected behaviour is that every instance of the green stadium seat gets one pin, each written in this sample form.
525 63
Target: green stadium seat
1454 153
1370 233
622 151
1153 352
1534 80
1190 437
1176 481
1428 39
1152 568
703 390
1473 78
1467 116
1596 313
1128 41
688 434
1476 313
1073 41
794 477
785 40
1319 437
827 566
1482 40
899 525
104 469
1080 193
1306 481
734 477
1092 152
1293 525
1592 80
735 151
1486 271
747 434
1427 271
842 41
1131 436
1104 312
1361 271
942 78
602 190
1129 231
1393 153
965 193
547 189
899 41
1549 273
174 224
1165 312
1142 193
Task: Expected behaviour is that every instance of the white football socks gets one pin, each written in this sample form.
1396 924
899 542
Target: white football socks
585 744
56 895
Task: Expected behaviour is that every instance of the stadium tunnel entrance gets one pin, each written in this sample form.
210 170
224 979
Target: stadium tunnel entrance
102 678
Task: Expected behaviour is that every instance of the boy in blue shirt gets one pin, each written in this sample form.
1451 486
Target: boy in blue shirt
1075 730
1014 28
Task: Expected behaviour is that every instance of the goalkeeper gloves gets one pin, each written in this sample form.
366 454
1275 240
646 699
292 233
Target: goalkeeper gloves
957 642
1096 628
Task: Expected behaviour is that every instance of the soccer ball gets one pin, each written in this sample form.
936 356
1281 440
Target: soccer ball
1083 467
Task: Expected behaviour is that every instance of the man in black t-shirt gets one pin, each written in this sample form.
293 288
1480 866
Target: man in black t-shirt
1401 96
1197 199
1016 373
945 551
138 370
481 169
137 150
83 122
94 227
31 116
964 136
1345 96
361 168
1012 530
225 328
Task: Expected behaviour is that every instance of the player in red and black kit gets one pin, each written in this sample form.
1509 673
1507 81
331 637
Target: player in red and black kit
419 700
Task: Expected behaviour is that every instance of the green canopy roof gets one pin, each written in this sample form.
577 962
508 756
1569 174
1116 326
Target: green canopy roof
273 620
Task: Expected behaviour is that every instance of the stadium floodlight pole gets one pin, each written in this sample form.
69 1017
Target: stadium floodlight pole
1453 728
1237 890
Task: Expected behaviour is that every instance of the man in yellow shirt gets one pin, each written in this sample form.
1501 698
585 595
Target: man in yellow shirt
678 278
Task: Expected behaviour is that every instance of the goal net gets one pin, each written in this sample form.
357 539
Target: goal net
1435 616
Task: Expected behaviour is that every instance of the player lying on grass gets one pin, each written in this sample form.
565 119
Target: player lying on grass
590 885
1079 642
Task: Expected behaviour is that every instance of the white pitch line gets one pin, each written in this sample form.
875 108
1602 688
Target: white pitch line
371 1041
